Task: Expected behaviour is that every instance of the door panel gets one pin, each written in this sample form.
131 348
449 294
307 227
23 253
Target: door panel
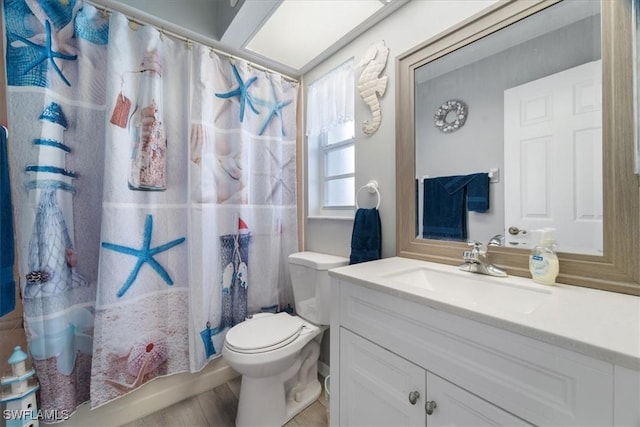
553 158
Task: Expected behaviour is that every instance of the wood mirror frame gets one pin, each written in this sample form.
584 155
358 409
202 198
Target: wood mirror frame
618 269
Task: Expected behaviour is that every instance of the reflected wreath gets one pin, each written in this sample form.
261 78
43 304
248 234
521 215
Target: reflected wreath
459 110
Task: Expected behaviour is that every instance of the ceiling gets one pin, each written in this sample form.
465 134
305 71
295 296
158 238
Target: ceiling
287 36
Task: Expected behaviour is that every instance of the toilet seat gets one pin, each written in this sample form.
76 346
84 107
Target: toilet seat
264 333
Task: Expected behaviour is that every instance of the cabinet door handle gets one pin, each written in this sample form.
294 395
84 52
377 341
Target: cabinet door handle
429 406
413 397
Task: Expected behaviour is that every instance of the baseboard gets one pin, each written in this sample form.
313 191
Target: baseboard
152 397
323 369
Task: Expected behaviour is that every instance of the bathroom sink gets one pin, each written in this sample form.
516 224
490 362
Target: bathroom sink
473 290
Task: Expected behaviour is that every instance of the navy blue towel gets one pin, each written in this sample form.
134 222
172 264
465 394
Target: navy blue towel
366 239
7 256
478 192
444 215
446 202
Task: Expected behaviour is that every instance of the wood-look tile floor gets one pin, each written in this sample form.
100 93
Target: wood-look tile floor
217 407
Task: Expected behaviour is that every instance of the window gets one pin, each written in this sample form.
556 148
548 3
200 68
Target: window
330 139
338 164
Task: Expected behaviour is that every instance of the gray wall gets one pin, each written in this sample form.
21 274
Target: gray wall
199 16
478 145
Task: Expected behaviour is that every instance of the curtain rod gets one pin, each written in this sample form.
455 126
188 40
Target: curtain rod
110 6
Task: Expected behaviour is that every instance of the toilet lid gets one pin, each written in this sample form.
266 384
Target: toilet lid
264 333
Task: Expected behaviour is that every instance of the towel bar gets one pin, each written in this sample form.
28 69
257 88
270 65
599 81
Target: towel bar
494 176
372 187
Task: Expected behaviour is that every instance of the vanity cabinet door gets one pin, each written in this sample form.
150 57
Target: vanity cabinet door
454 406
377 387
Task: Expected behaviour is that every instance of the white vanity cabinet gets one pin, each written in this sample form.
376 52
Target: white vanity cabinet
388 351
380 388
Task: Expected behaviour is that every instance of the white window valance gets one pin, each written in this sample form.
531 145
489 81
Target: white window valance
330 100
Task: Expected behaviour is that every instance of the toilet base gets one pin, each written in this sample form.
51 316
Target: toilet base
309 395
255 410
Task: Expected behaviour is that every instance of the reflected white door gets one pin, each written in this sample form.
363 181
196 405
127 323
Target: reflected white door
553 159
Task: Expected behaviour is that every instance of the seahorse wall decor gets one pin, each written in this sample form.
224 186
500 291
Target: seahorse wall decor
371 85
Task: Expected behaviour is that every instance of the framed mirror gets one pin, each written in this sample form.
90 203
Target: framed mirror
490 52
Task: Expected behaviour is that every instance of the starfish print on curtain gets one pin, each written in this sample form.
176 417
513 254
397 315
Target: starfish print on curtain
242 92
144 255
274 109
46 53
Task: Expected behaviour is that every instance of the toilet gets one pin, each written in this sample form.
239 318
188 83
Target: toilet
277 354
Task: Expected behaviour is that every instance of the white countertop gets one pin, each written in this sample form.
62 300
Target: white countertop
604 325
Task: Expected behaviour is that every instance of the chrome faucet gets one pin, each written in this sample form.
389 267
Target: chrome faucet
497 240
477 261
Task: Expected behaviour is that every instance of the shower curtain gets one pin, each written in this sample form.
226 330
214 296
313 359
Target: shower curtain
158 204
243 195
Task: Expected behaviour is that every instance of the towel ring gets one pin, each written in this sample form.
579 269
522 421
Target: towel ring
372 187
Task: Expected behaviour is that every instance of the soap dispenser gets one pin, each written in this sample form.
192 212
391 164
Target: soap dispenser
543 261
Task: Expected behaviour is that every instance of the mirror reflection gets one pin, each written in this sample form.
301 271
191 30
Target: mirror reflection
508 134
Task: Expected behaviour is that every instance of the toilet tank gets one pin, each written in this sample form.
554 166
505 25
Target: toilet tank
311 284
